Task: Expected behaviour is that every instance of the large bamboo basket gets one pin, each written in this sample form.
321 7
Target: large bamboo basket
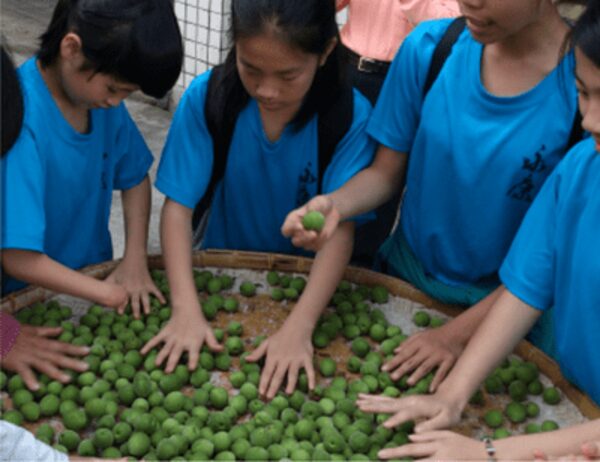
286 263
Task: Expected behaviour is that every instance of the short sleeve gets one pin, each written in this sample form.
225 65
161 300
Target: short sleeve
135 159
529 268
187 159
397 113
23 186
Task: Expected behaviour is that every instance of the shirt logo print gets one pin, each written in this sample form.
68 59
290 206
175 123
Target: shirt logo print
524 189
305 179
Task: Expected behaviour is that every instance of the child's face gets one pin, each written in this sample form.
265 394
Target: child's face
95 90
87 88
493 20
587 76
277 75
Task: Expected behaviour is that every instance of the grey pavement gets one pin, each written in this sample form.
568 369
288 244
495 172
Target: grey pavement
22 22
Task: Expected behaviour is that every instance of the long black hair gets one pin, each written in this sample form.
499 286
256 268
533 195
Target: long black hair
12 103
137 41
308 25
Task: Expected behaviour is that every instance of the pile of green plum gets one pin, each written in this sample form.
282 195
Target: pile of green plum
124 405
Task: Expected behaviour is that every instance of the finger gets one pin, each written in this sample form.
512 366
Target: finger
51 370
408 450
436 422
135 305
28 377
212 343
173 358
146 303
371 405
440 375
48 331
66 348
265 377
151 343
158 294
590 450
276 380
65 362
164 352
402 354
398 418
431 436
406 367
310 373
193 355
292 379
421 371
258 353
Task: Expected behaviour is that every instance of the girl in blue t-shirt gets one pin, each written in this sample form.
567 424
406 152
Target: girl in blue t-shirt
553 261
472 154
285 71
79 143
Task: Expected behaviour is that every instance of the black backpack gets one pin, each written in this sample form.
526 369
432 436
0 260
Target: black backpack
221 112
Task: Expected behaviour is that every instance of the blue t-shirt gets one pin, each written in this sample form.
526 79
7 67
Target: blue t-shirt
476 161
554 261
57 184
264 180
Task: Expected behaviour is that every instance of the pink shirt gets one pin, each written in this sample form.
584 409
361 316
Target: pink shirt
376 28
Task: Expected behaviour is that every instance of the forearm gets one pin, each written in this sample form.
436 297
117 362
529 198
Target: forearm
136 212
489 346
176 239
373 186
326 272
462 328
556 444
417 11
39 269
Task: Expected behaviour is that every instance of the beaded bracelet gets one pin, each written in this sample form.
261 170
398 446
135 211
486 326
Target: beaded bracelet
489 449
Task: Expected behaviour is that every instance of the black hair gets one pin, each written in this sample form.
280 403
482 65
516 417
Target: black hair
308 25
586 32
12 103
137 41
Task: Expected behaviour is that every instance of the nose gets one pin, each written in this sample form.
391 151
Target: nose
467 5
114 101
267 89
591 116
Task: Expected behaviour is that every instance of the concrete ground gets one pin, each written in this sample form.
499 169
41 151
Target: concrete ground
22 22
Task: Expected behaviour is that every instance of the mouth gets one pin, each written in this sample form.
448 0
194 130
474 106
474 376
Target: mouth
270 105
476 23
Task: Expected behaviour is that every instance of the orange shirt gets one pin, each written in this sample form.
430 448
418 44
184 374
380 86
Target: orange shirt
376 28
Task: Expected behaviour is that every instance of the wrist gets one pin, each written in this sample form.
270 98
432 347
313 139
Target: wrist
489 449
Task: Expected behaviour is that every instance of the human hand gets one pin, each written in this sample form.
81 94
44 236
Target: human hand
423 352
135 278
589 451
33 349
438 445
184 332
288 350
438 410
311 240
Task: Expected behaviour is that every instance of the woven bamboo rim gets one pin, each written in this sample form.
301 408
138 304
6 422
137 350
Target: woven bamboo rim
286 263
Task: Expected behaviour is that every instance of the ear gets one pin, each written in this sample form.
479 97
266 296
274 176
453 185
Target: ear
330 46
70 47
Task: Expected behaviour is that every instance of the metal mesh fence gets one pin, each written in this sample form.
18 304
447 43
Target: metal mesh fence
204 25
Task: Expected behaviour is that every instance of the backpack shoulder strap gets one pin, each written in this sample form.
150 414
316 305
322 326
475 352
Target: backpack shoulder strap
442 51
220 121
333 124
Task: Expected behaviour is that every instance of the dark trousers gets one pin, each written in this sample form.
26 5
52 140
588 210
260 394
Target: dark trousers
369 237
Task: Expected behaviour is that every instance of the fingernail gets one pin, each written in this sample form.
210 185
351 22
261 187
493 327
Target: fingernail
35 387
385 367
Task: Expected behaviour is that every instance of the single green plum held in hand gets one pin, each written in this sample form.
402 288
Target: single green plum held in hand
313 221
